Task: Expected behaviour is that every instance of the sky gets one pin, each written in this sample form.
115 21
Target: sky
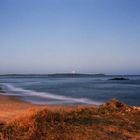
56 36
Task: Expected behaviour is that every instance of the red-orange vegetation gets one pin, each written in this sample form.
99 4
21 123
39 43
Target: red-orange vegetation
111 121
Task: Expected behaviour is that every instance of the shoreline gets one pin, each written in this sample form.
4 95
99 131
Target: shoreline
112 120
11 107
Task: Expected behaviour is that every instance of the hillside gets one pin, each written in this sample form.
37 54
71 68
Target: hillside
111 121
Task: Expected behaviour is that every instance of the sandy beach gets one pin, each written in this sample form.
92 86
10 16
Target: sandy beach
11 107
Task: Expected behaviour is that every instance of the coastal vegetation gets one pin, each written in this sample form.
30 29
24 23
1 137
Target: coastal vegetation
110 121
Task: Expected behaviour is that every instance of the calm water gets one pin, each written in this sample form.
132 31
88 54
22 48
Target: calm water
72 90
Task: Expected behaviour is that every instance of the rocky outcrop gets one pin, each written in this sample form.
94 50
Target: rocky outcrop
119 78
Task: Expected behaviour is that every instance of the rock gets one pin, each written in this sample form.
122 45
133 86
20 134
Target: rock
119 78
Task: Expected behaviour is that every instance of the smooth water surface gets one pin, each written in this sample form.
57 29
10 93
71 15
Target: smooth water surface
57 91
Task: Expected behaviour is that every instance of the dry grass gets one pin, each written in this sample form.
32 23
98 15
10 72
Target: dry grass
111 121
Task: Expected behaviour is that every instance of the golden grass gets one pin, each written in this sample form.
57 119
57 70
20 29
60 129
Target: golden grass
111 121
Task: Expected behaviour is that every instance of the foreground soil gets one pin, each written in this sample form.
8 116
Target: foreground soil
111 121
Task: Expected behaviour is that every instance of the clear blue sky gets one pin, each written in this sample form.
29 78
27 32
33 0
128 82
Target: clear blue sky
88 36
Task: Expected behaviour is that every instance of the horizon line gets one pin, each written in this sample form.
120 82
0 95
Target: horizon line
18 74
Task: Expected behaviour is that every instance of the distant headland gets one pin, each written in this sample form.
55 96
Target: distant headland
56 75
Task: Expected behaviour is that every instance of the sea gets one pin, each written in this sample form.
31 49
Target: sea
72 90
